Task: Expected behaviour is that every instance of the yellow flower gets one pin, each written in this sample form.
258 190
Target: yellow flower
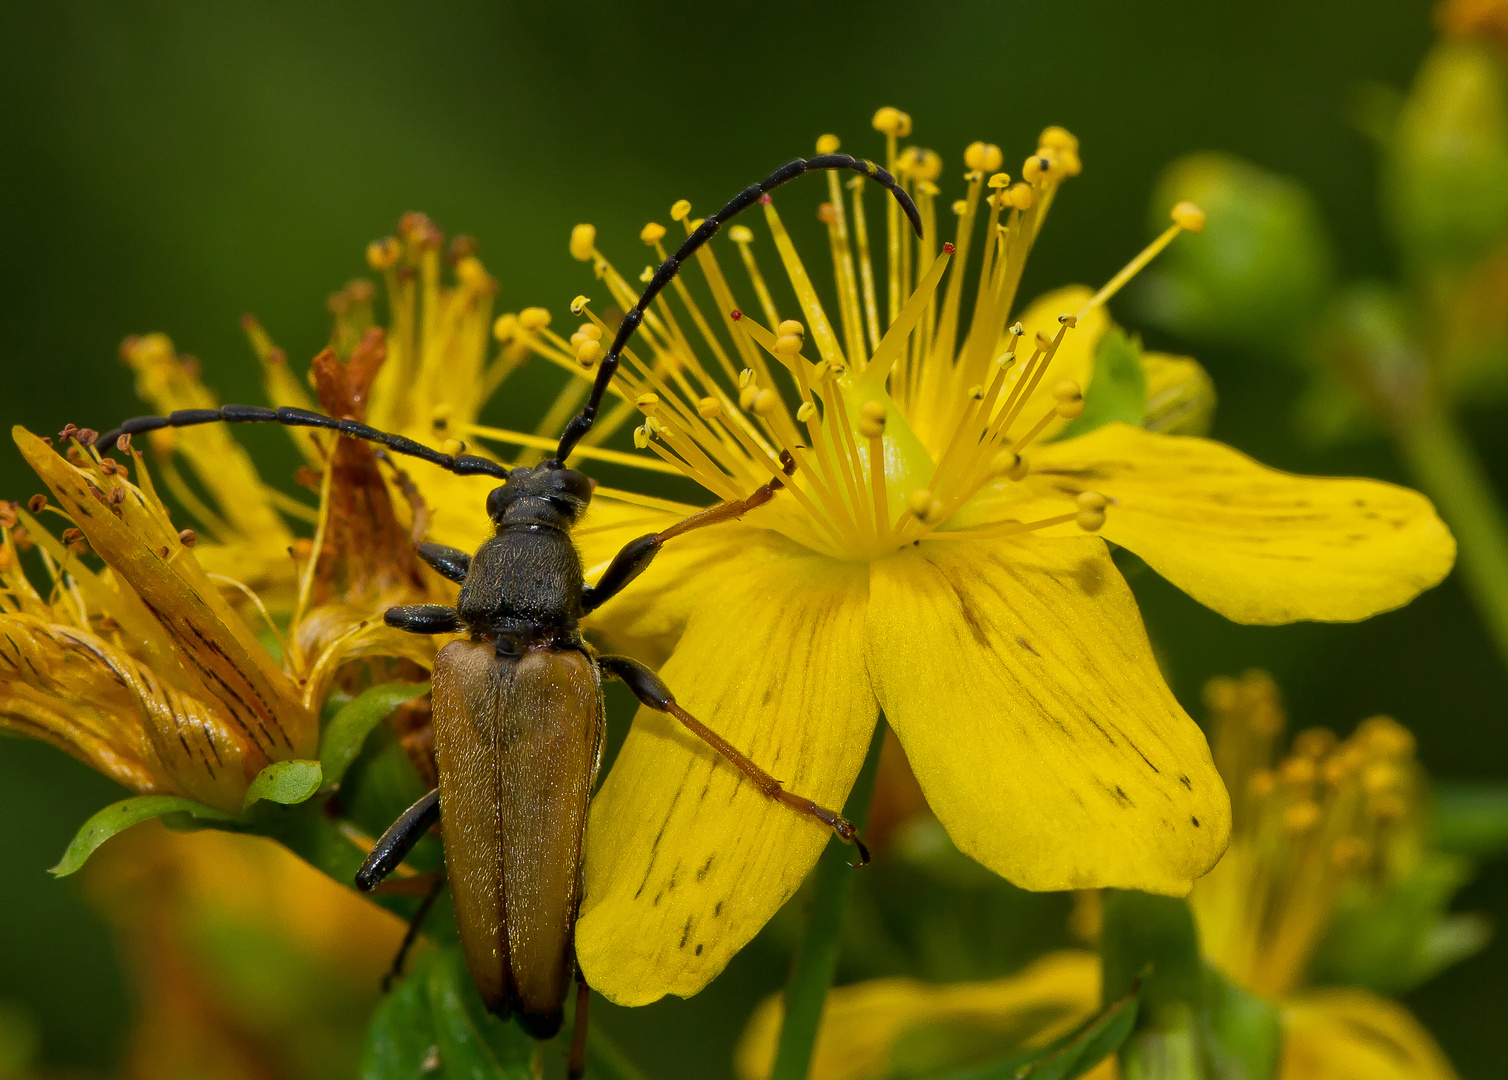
1330 819
960 587
142 671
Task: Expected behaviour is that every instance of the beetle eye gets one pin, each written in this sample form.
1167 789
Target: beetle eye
574 484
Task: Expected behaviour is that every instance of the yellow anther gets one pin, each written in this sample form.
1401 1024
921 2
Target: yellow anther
471 273
983 157
928 167
384 254
439 416
1068 161
1314 743
790 326
1010 465
746 397
588 330
644 401
679 211
1037 166
788 344
1043 341
976 391
709 407
766 402
647 274
807 411
741 234
583 242
578 305
959 206
1301 817
1005 359
745 377
892 121
453 447
1057 138
1069 320
919 502
1298 771
641 438
1021 196
927 187
652 233
999 180
820 370
652 425
1189 217
504 327
1070 399
873 410
872 419
908 159
827 213
1261 784
588 352
1091 500
827 144
533 318
1381 777
1090 520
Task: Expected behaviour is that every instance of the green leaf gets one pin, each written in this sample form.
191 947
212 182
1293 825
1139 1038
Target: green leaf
434 1025
122 815
1117 390
285 782
350 727
1243 1035
1150 941
1069 1057
1472 819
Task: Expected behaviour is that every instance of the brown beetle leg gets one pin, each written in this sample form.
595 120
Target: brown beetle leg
636 555
415 927
649 689
576 1062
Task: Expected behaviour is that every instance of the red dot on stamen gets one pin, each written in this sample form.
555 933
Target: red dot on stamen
947 249
736 314
765 200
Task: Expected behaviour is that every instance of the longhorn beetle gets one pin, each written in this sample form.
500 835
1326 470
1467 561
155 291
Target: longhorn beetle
517 705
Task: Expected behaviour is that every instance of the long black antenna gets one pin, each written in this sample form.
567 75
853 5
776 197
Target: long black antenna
460 464
582 422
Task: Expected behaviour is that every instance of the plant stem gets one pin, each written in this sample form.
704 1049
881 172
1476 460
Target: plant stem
1448 468
817 958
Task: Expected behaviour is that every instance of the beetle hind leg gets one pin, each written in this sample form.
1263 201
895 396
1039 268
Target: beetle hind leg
415 928
649 689
576 1060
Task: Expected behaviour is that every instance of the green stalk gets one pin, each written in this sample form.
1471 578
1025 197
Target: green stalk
1448 469
817 959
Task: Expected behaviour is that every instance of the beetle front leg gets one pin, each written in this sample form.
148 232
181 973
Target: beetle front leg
423 619
449 562
398 841
652 691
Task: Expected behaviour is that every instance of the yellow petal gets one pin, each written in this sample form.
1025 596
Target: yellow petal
863 1023
1255 544
224 661
1353 1035
1018 677
686 859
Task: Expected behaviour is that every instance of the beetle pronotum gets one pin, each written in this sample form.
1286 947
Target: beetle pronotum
517 707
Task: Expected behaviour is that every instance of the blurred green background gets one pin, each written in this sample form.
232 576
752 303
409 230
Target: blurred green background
170 166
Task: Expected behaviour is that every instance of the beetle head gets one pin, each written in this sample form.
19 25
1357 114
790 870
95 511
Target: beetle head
547 494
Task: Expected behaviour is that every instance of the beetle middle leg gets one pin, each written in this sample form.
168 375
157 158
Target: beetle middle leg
411 935
652 691
398 841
